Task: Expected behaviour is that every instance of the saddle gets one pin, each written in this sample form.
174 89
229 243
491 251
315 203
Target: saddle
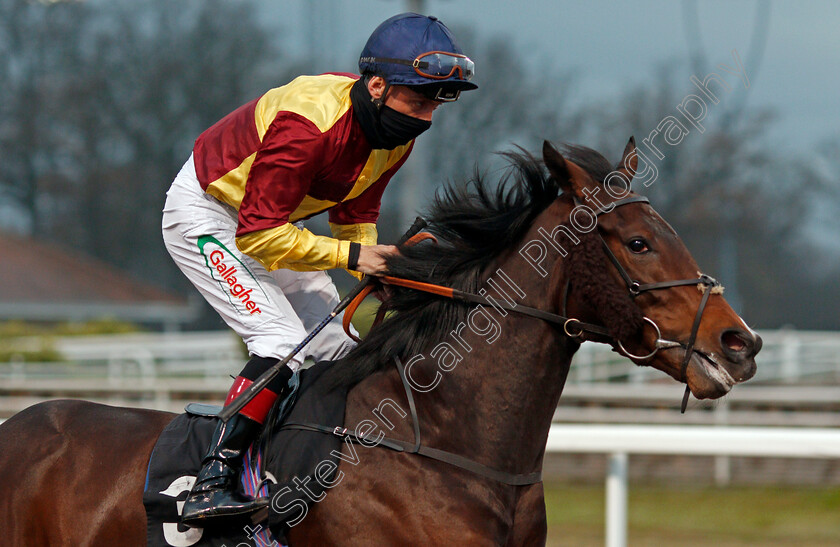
290 466
294 465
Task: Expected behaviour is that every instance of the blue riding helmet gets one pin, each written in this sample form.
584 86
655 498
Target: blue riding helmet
418 51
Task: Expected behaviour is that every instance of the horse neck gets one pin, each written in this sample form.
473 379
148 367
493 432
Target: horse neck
501 397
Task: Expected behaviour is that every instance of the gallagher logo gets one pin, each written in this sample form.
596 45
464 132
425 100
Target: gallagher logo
224 267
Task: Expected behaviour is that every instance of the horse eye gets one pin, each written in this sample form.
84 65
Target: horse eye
638 245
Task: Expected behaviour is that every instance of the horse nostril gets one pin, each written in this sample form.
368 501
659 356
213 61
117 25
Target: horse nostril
738 342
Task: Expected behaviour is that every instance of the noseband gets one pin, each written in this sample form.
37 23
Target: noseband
636 288
574 328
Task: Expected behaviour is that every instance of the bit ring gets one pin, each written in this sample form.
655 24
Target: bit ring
623 350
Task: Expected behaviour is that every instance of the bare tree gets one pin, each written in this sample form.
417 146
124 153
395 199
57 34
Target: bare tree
123 114
99 109
742 205
37 58
513 107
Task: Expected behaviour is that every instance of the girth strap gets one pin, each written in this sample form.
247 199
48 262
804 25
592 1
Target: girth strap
411 407
512 479
397 445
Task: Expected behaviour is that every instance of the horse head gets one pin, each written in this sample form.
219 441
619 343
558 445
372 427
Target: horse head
681 324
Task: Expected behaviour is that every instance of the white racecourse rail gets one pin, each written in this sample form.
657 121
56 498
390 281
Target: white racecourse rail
620 440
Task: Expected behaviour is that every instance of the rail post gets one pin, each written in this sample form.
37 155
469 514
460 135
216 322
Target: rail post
616 526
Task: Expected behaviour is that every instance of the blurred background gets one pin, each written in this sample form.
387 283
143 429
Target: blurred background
100 102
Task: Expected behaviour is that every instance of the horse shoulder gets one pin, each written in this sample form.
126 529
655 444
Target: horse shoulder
381 496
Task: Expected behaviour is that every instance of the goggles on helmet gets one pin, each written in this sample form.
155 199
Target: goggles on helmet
435 65
439 65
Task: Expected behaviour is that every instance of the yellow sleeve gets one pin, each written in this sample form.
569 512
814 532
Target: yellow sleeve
364 233
288 247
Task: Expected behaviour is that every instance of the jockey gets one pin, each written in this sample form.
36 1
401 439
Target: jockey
233 216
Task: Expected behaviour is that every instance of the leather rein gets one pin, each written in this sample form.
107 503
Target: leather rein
574 328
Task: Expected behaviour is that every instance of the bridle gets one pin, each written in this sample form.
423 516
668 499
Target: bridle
636 288
572 327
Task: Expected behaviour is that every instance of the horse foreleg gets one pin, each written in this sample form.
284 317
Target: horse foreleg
529 521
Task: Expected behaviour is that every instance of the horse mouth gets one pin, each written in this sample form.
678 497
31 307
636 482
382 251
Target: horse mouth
707 378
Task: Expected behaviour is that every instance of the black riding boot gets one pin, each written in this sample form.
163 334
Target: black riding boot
215 492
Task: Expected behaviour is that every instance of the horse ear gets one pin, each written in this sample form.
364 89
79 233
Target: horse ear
570 177
556 164
629 160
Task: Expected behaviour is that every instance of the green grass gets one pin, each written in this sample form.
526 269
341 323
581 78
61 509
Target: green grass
685 516
25 341
12 329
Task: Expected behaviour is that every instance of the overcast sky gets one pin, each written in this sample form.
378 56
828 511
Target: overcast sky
613 45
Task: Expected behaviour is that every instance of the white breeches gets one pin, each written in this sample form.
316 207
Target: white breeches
271 311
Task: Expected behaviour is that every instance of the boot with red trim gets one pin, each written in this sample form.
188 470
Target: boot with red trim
216 494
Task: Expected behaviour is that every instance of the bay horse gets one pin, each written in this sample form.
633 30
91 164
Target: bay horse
565 235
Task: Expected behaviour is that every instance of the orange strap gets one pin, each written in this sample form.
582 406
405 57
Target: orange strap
418 237
351 309
354 304
418 285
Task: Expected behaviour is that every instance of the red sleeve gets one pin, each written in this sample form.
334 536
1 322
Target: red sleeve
365 207
282 172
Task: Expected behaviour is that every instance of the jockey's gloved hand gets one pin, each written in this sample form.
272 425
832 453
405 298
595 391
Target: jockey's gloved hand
372 259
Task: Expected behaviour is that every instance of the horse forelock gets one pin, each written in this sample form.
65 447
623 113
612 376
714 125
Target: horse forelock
587 267
591 161
589 277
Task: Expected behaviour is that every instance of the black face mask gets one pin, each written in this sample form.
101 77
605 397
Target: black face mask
383 126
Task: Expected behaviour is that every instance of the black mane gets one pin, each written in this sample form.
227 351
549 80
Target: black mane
474 223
